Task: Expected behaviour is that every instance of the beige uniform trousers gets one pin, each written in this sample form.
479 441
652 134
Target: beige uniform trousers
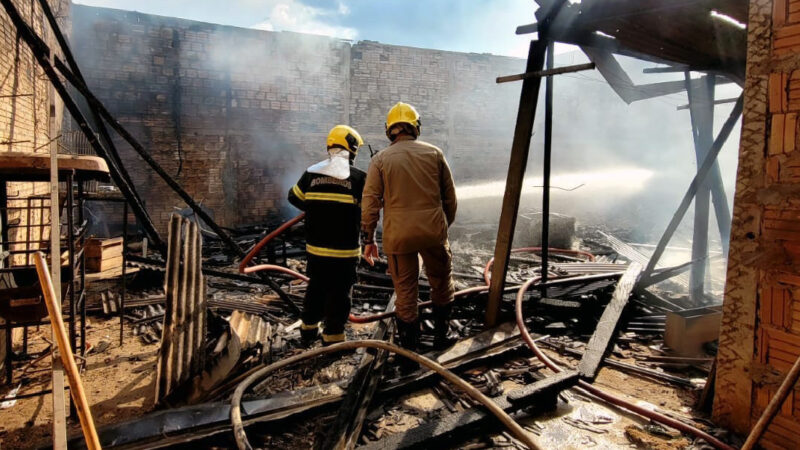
404 269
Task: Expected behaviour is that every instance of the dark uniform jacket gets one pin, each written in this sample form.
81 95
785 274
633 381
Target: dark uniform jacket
333 212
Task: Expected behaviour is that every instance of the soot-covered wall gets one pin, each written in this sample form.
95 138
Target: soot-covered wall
235 114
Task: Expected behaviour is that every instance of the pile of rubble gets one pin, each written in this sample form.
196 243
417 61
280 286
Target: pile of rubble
360 397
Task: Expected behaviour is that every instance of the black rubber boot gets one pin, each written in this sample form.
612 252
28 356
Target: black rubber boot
330 339
409 340
309 337
441 323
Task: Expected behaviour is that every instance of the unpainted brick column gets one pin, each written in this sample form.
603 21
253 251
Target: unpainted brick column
760 335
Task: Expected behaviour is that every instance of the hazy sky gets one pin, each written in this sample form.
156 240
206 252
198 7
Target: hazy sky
480 26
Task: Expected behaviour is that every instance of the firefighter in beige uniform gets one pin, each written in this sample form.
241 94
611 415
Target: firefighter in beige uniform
412 182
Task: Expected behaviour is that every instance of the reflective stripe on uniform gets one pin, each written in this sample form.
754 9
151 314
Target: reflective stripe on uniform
298 192
329 197
333 337
333 252
313 326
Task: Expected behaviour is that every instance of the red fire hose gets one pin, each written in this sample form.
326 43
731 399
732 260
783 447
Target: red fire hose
275 233
559 251
614 400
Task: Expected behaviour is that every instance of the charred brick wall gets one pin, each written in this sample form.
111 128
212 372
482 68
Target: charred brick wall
235 115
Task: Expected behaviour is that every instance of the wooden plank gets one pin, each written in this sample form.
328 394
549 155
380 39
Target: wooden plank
77 391
59 407
517 166
96 265
346 427
604 333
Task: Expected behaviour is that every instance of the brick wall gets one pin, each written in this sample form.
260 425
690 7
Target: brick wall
235 114
760 336
25 98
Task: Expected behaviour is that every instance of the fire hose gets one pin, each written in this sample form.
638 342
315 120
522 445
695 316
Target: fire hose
241 439
275 233
354 318
614 400
236 399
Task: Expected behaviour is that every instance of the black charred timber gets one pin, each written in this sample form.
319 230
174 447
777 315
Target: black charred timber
548 151
543 392
625 367
42 54
606 329
192 423
448 431
529 97
347 427
107 141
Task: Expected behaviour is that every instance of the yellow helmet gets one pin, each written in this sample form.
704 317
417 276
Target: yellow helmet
345 137
402 113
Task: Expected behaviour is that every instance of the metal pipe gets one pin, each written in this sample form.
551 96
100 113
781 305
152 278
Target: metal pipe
236 399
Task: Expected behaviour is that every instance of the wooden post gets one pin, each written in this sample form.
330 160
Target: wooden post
59 423
548 147
701 110
528 100
65 349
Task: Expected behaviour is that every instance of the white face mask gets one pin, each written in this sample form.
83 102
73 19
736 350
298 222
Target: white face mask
337 165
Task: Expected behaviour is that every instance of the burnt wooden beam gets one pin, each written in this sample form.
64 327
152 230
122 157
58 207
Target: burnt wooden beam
190 423
448 431
520 148
347 426
529 97
546 165
545 390
702 172
606 328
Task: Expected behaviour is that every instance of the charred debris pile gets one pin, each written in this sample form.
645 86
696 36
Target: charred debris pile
590 314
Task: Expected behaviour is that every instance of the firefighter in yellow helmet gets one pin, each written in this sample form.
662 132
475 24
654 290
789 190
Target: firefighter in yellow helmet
412 182
330 194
